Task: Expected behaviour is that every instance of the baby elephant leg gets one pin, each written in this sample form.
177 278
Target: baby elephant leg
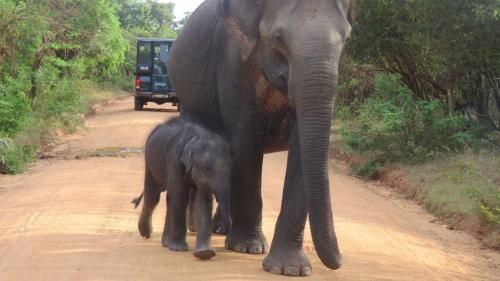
203 220
190 217
174 233
151 199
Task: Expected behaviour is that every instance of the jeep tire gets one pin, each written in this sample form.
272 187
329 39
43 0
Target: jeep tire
138 104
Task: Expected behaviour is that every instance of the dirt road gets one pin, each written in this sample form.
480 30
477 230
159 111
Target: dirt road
70 218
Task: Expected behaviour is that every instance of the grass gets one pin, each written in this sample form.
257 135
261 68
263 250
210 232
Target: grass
461 189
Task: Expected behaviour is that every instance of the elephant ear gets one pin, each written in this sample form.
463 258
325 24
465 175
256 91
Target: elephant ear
187 154
242 22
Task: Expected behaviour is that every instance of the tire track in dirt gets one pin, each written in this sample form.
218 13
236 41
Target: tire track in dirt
73 220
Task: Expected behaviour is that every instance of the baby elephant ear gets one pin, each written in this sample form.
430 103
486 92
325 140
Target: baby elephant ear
187 154
242 19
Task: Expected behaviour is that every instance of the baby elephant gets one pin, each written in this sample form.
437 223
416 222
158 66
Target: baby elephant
179 156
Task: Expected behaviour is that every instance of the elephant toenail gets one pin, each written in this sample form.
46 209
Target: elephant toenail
242 248
255 250
291 271
306 271
275 270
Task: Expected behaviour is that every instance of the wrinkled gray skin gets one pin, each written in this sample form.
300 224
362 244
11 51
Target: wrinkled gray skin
219 224
263 73
181 156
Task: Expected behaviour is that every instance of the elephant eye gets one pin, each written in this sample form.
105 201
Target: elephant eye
278 42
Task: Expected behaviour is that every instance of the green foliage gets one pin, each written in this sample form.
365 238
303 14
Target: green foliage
418 85
50 50
14 111
489 205
15 159
445 50
392 126
6 144
460 186
369 169
150 16
60 105
354 86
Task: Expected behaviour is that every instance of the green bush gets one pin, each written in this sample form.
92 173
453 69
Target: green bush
15 105
14 159
6 144
60 106
14 111
53 63
489 206
392 126
369 170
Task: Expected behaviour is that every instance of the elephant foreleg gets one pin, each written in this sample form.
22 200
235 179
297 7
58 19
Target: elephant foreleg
203 217
287 255
246 235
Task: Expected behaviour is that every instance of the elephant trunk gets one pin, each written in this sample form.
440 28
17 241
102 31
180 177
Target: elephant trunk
313 79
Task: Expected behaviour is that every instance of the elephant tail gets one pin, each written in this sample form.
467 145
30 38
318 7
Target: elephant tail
137 200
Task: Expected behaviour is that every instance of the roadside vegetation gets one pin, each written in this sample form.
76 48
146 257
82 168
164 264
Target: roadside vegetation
58 58
419 106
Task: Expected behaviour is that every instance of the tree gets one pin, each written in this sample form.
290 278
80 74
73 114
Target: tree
148 16
77 38
445 49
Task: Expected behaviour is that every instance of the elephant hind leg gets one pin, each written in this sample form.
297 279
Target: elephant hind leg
190 217
151 199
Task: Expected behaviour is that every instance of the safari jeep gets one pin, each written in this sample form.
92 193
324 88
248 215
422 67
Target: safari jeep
151 82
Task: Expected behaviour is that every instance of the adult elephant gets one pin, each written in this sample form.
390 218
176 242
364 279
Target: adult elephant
263 73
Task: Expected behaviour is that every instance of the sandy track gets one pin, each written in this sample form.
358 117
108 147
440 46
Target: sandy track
71 219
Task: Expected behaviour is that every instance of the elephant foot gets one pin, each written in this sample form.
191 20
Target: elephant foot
290 262
204 254
251 244
145 227
173 245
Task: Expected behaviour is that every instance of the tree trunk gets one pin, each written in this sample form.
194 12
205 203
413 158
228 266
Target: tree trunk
35 66
451 102
497 93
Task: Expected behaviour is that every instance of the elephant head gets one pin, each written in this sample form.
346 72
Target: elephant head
208 159
297 45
